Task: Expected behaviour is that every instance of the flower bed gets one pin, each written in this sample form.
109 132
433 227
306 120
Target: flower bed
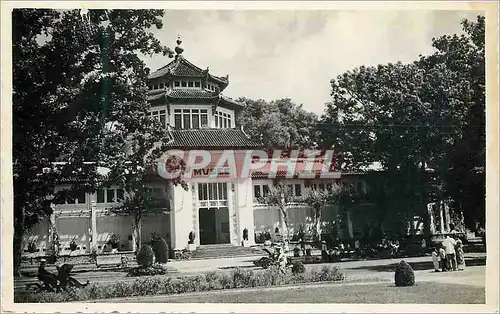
238 278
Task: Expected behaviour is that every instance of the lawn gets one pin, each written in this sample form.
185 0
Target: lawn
422 293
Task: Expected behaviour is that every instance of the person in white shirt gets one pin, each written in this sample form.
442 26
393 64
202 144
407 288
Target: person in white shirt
449 247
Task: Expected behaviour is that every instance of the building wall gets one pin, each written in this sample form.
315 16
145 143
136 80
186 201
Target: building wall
39 234
267 218
109 225
69 228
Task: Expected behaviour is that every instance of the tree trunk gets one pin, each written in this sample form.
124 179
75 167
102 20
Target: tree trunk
137 234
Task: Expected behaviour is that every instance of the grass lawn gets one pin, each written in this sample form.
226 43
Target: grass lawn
422 293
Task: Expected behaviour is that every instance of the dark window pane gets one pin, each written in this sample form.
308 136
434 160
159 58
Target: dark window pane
219 187
150 87
110 196
177 110
205 191
229 123
196 121
162 85
81 197
183 83
203 111
265 189
321 186
200 191
224 191
177 84
119 194
190 84
211 191
216 122
197 84
100 196
298 190
187 121
204 120
178 121
256 191
163 120
225 123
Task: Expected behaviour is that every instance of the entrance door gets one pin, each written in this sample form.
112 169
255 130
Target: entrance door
213 213
208 234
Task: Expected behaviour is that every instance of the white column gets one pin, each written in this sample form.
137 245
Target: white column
244 209
447 217
432 226
181 218
93 225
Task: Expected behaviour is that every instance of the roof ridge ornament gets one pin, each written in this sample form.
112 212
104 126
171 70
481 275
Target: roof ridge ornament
178 49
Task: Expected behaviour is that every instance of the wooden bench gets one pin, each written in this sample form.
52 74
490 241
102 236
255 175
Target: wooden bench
109 260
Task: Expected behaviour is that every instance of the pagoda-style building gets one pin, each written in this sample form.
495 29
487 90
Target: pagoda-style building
189 102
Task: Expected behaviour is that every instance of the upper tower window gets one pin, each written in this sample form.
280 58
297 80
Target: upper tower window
223 120
190 118
159 114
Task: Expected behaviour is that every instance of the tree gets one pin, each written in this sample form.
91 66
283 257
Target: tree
464 57
80 98
139 199
280 196
412 118
279 124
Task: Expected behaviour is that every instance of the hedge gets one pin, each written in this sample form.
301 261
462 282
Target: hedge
238 278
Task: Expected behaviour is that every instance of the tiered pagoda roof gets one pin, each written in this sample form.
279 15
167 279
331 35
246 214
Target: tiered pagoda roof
180 68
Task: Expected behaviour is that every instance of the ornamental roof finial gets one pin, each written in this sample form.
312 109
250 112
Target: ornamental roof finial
178 48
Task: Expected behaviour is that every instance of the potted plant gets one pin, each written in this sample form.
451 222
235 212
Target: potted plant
296 251
191 244
114 241
73 245
32 248
131 243
245 237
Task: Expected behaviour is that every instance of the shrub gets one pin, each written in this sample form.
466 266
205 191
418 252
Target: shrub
404 275
239 278
243 278
147 271
298 268
160 248
145 257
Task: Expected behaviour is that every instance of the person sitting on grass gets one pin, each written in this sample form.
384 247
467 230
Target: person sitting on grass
459 250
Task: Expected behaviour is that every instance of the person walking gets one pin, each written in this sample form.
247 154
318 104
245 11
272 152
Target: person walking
449 247
460 255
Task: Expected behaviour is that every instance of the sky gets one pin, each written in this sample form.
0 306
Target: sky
294 54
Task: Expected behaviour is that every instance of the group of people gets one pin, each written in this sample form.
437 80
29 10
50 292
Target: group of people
449 255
